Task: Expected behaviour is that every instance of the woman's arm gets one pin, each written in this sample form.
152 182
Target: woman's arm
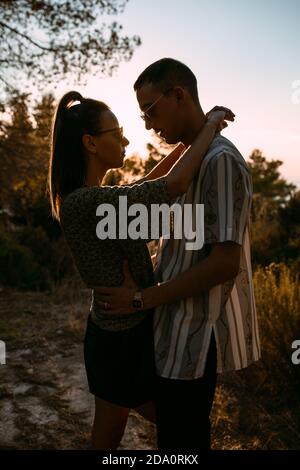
163 166
180 176
185 169
164 190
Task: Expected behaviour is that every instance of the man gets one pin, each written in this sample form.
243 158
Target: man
205 320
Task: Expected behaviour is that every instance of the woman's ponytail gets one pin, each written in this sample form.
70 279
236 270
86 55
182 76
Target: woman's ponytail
61 112
67 165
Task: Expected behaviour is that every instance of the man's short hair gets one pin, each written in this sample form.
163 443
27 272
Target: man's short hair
167 73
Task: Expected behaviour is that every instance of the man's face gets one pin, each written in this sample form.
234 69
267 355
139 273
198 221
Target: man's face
163 111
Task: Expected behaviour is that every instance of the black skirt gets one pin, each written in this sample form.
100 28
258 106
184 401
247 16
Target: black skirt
120 365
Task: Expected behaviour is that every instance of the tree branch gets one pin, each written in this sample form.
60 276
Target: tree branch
23 35
7 84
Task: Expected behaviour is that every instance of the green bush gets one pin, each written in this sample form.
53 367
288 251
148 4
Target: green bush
18 266
31 260
37 241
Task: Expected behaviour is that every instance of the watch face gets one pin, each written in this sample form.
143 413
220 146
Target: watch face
137 303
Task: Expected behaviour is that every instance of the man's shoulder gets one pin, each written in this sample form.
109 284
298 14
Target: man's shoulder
221 144
222 147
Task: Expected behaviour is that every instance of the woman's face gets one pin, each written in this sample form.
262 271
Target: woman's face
110 145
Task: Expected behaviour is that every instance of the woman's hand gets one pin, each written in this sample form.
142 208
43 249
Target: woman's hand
118 300
219 115
186 168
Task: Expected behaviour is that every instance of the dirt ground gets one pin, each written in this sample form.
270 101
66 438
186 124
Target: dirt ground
44 397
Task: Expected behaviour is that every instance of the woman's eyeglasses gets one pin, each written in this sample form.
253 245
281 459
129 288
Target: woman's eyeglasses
118 130
113 129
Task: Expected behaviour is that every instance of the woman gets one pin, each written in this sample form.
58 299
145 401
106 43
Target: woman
118 350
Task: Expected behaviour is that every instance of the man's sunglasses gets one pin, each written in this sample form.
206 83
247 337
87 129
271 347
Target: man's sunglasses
145 114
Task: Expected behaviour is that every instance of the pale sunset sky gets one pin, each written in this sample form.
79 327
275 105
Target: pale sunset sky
245 55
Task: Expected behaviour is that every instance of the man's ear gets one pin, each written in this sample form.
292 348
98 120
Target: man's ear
88 143
179 93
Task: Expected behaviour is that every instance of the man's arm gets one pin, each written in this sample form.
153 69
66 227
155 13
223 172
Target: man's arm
220 266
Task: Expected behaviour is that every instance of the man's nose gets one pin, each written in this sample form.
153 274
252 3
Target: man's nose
125 141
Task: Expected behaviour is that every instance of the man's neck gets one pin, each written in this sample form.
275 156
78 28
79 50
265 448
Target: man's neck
194 124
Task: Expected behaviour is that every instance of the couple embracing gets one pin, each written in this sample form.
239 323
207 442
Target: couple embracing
158 332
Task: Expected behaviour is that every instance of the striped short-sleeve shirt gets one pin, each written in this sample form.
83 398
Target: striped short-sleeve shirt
182 330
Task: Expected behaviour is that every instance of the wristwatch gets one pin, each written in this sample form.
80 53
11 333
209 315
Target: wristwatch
137 301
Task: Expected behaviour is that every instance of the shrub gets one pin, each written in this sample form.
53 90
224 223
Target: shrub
277 293
18 266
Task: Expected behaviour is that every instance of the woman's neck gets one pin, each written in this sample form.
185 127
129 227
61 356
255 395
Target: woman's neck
95 173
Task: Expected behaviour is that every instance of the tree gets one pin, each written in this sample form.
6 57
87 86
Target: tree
48 39
289 217
43 113
271 194
271 191
132 169
15 147
157 150
24 156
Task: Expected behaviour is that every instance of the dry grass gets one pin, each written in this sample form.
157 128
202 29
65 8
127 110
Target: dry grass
267 411
256 408
277 293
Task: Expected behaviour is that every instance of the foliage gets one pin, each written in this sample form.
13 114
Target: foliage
21 269
24 155
133 168
272 196
50 40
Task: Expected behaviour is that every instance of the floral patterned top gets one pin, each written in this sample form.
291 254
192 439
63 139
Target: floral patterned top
100 262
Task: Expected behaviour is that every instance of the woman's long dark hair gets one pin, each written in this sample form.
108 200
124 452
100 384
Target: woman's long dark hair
67 167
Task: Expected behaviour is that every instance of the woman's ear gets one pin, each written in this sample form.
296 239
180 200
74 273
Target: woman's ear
88 143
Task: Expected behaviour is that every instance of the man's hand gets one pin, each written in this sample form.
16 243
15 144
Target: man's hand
118 300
